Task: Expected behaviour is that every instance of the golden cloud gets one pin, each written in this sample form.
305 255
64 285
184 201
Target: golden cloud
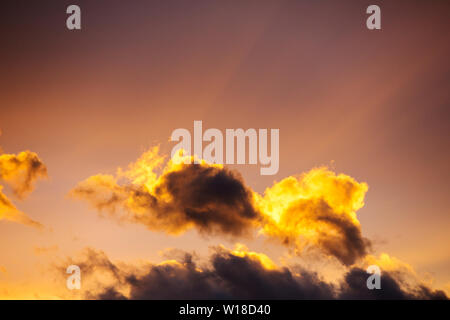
316 209
19 172
9 212
210 198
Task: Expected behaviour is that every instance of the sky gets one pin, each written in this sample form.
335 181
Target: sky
371 105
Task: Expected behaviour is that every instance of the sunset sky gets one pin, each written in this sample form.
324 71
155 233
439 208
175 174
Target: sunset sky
372 105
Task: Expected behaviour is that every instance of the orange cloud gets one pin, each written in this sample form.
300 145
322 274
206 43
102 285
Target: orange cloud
9 212
242 251
19 172
210 198
316 209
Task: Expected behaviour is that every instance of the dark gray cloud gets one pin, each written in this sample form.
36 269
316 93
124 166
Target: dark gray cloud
214 199
229 276
354 287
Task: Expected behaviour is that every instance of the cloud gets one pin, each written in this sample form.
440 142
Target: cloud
19 172
233 274
9 212
229 275
210 198
354 287
316 209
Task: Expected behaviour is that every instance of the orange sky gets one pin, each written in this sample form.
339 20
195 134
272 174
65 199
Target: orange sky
370 104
